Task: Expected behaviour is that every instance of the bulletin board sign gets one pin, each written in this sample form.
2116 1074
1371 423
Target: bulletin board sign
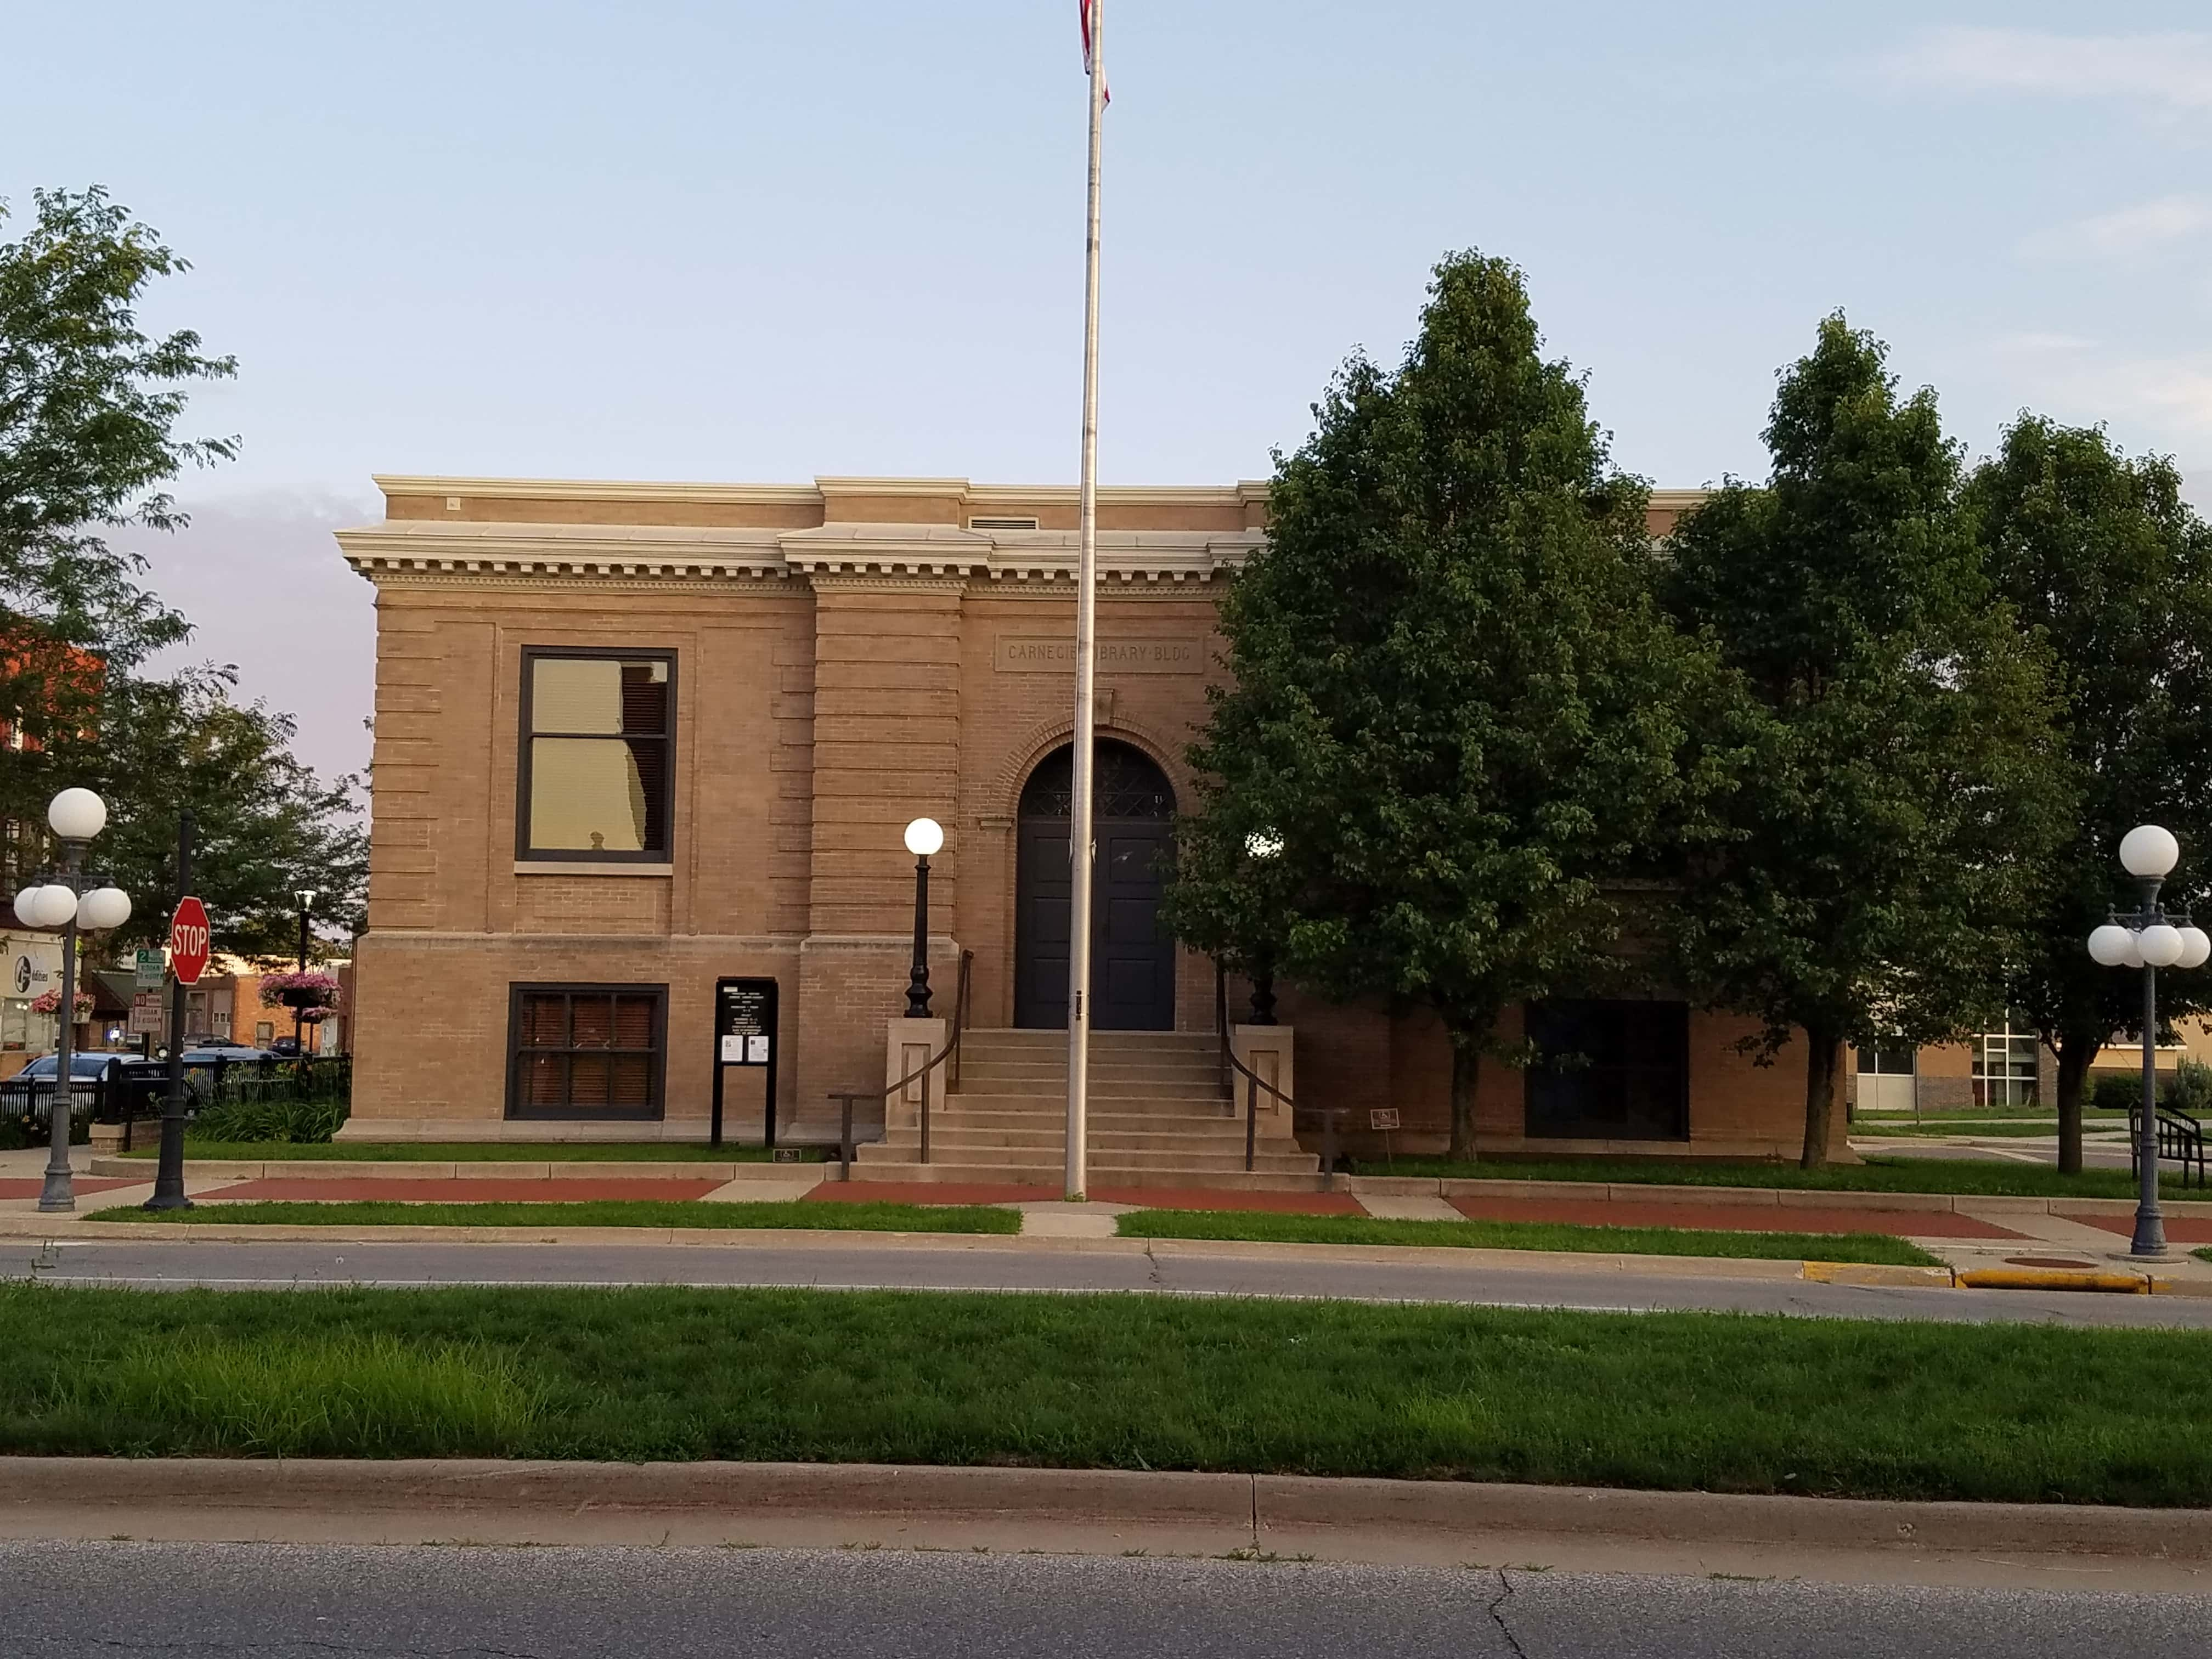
745 1036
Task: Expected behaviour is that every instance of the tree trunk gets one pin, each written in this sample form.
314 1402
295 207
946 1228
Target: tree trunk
1824 1070
2075 1052
1465 1058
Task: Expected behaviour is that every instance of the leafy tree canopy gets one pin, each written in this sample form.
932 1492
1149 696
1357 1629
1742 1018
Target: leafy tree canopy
89 405
1455 701
2103 559
1893 833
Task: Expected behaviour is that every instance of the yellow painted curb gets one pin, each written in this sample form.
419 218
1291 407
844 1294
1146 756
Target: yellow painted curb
2041 1279
1876 1273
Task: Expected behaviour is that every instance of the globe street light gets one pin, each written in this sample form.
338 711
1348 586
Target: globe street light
923 837
1263 847
2149 938
307 897
75 816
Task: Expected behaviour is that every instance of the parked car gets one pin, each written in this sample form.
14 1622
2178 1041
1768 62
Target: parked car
138 1089
234 1054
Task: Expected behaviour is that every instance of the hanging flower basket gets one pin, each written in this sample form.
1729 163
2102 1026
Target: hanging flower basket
302 991
49 1002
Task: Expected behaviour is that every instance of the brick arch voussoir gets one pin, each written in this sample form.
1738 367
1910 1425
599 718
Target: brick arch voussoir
1005 796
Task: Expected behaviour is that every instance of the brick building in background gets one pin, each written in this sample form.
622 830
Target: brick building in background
632 738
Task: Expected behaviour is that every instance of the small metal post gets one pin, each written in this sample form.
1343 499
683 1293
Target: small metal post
917 989
1251 1120
845 1141
2150 1217
1328 1149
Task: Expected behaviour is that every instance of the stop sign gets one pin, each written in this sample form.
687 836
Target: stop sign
188 941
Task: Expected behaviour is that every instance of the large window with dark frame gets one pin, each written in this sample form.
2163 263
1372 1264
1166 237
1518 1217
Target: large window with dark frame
587 1051
599 734
1608 1070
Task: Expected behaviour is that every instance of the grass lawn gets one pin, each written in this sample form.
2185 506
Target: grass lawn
590 1213
474 1151
1521 1235
1876 1175
1718 1402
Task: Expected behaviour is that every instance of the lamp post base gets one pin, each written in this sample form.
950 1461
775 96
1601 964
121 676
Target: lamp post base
59 1196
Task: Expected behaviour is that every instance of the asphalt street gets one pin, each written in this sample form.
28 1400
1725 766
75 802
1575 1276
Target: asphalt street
276 1601
1011 1266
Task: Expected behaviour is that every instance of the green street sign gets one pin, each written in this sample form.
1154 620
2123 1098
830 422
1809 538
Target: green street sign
151 970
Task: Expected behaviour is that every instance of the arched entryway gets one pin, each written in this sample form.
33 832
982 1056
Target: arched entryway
1131 959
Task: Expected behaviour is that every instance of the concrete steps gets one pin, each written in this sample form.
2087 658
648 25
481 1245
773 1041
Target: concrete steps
1157 1118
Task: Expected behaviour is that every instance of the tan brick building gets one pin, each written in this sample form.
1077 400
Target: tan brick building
631 739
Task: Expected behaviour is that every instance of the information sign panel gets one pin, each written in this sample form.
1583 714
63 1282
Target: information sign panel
745 1036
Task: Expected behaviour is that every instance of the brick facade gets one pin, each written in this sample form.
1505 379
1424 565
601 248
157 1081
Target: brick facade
848 656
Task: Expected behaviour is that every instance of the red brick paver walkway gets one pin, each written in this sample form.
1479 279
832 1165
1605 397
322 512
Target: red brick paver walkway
2179 1230
1732 1217
14 1188
374 1189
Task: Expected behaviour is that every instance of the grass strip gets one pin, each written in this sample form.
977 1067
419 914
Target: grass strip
1674 1400
1522 1235
472 1151
1966 1177
589 1213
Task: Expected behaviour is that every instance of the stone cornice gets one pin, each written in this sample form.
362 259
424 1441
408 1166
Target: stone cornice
463 553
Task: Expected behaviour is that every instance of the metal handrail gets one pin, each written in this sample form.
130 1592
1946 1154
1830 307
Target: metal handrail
2180 1141
1232 1067
950 1051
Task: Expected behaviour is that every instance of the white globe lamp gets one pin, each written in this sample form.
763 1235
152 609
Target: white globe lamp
56 906
2148 850
2161 945
925 836
77 815
26 907
103 908
2109 944
1264 844
2196 948
2133 958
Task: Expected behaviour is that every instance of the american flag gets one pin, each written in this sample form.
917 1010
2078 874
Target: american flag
1083 12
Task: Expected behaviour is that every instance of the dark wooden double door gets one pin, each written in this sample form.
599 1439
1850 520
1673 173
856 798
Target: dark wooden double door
1131 959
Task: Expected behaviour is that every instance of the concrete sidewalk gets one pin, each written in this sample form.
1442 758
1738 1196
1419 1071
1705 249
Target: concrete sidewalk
1106 1511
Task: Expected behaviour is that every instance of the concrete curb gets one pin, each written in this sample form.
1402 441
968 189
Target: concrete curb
254 1498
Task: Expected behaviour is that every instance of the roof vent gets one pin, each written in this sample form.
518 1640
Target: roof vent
1002 524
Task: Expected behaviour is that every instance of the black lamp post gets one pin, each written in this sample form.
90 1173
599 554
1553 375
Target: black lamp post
1264 846
923 837
307 897
2148 939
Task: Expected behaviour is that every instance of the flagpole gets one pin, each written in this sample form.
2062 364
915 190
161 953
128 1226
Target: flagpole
1086 622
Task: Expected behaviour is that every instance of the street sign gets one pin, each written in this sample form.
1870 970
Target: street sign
146 1011
150 970
188 941
745 1035
1382 1117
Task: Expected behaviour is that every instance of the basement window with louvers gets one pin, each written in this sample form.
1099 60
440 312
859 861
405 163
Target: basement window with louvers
1002 524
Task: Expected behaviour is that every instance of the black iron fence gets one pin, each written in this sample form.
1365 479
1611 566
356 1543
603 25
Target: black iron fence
128 1088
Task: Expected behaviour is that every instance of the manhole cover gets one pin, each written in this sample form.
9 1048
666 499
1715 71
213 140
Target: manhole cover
2044 1261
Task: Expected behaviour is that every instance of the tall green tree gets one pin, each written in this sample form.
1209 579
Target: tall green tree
1455 701
1888 845
2101 557
90 405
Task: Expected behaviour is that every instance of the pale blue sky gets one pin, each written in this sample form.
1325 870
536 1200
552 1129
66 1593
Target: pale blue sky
764 241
